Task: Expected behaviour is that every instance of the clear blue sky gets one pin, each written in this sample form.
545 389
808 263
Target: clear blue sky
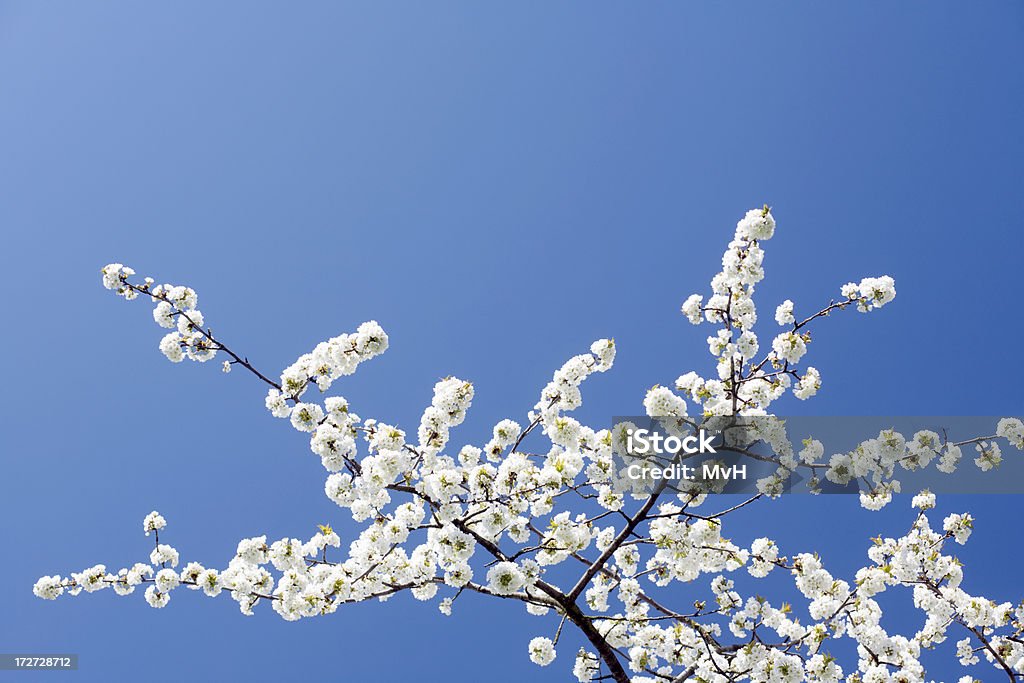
492 183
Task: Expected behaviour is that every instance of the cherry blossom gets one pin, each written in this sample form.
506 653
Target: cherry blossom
496 516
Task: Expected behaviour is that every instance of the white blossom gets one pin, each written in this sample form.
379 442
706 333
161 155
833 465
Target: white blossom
542 651
154 522
784 313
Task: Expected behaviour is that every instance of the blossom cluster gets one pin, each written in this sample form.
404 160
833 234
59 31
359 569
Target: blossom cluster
176 309
307 585
747 384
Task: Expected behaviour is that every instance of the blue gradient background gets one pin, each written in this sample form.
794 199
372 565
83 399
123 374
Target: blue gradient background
498 185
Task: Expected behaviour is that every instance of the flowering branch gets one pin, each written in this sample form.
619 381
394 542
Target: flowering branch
434 519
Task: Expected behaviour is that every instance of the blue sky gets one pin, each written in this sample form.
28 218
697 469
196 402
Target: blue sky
498 185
